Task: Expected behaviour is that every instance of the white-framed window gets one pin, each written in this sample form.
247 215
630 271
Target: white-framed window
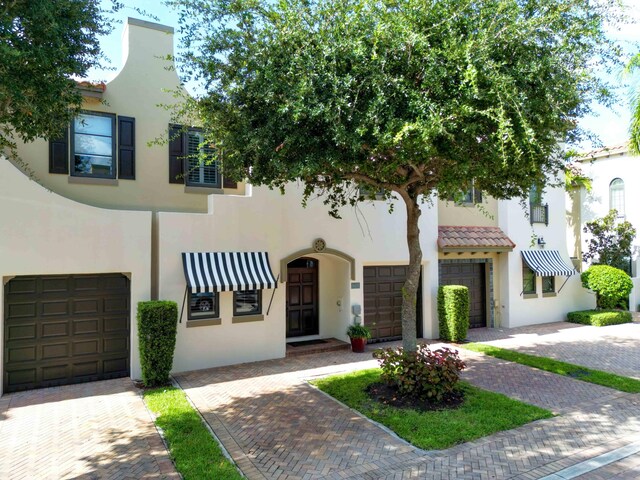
201 164
93 145
616 196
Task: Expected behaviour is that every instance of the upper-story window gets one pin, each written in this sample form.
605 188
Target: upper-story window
96 145
538 212
469 196
93 144
616 196
201 165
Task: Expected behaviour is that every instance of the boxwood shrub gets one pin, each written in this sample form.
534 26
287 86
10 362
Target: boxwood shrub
453 312
157 329
599 318
611 285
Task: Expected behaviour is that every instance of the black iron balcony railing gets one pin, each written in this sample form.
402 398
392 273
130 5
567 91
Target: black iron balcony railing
539 213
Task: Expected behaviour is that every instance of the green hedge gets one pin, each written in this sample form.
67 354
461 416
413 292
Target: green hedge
157 329
453 312
599 318
611 285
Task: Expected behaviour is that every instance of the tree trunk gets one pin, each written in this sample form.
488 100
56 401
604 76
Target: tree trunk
410 288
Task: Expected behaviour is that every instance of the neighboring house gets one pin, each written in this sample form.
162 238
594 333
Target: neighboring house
614 173
127 221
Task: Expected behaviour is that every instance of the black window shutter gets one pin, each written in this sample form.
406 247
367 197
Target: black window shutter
59 154
177 152
228 183
126 148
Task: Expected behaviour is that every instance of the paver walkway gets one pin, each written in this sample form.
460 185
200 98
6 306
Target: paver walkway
615 348
88 431
276 426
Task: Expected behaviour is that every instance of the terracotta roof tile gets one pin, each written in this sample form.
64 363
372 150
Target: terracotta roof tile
473 238
605 152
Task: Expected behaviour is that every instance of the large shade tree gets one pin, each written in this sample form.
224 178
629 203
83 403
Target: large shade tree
412 97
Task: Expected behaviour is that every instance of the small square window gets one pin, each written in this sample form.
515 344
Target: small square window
93 145
548 284
247 302
528 280
203 305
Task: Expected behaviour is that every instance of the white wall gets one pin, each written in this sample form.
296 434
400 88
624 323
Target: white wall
44 233
515 309
268 221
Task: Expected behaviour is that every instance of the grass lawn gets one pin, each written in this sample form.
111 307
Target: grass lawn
481 414
611 380
193 449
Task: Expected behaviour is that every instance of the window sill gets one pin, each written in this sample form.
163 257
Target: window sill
204 323
247 318
203 190
530 295
548 294
93 181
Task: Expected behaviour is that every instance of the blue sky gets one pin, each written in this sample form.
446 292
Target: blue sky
611 125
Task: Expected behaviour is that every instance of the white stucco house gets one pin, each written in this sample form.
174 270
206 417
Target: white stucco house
113 220
613 172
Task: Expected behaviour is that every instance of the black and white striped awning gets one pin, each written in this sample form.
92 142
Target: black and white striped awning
227 271
547 263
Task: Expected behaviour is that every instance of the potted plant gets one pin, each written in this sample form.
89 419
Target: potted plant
358 335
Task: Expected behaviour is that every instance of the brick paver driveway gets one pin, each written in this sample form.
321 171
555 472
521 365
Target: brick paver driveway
89 431
276 426
614 349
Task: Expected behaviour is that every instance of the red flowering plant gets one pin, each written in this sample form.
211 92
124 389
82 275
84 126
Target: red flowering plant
425 374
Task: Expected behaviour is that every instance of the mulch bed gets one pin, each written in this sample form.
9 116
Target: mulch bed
389 395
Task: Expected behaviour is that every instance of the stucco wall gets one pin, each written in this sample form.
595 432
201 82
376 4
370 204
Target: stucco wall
144 83
516 310
484 214
44 233
268 221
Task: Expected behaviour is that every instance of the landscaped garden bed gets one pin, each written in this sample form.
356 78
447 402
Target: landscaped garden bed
468 414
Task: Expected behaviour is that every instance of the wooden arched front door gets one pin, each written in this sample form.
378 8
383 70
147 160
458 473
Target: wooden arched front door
302 297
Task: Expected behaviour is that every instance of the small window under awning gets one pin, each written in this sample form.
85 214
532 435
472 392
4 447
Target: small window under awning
547 263
227 271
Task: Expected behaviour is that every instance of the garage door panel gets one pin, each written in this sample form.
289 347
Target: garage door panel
116 324
55 284
50 308
55 351
17 286
85 326
58 336
22 354
22 310
86 306
115 305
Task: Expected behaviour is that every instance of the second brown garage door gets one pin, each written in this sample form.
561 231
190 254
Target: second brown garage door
472 276
65 329
383 301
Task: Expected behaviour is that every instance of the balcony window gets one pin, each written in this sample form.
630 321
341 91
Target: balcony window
538 212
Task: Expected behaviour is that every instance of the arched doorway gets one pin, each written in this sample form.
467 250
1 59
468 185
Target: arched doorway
302 297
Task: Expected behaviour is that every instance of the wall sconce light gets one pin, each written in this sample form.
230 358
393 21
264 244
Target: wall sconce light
541 242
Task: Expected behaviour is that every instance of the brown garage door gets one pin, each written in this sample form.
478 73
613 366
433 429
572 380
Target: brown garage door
383 301
472 276
65 329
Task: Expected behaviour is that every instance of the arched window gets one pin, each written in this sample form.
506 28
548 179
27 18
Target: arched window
616 196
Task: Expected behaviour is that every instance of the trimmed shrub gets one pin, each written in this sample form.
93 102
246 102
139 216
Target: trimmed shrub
612 286
157 329
599 318
424 374
358 331
453 312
